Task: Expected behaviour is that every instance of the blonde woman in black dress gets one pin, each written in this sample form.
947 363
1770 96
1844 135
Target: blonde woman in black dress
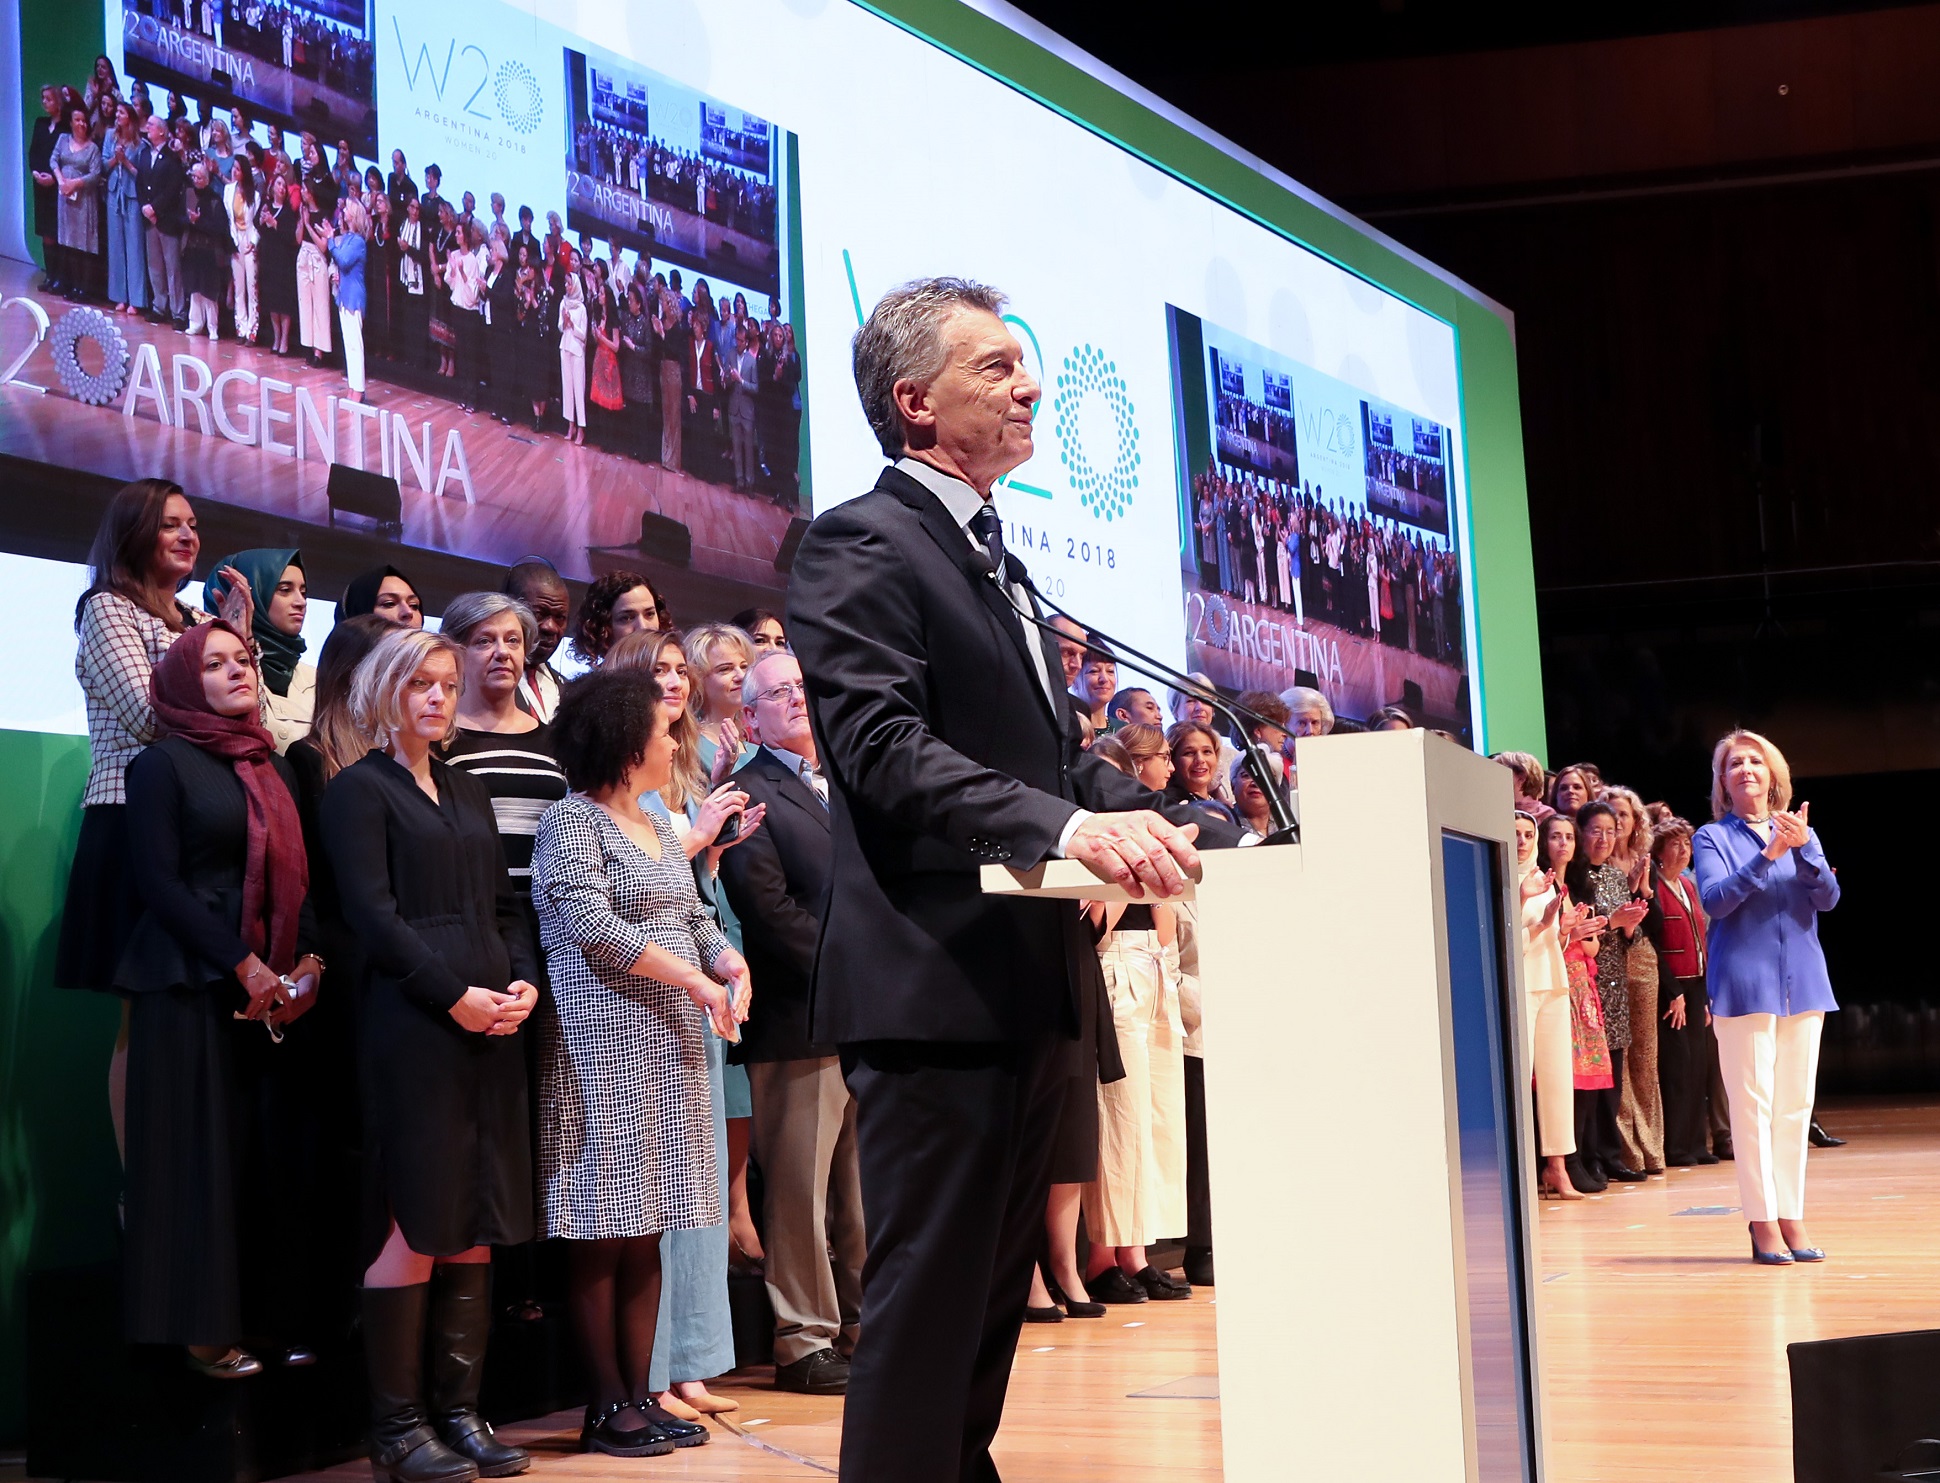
639 972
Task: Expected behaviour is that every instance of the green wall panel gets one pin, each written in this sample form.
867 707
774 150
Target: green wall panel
59 1177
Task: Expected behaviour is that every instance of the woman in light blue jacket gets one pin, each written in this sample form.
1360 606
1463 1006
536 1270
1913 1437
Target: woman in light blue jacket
1764 880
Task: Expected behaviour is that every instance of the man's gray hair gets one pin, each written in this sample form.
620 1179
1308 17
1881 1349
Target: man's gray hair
751 686
466 611
903 340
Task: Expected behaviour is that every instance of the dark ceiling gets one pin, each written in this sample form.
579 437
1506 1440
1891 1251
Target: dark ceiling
1249 33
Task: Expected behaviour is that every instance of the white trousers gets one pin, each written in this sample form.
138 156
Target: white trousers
572 386
1771 1067
1139 1196
203 315
1546 1039
312 298
351 322
242 268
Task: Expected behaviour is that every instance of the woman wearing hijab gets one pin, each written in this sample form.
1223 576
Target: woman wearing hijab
218 967
385 591
276 579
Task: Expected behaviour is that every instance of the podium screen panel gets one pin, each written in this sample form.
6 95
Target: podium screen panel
1488 1210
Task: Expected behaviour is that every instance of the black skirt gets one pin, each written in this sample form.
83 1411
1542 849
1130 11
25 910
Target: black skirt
1074 1147
102 907
223 1212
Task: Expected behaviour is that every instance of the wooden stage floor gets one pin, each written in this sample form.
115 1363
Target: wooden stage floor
1664 1347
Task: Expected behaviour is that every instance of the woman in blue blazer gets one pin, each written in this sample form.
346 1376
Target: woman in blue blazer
1764 880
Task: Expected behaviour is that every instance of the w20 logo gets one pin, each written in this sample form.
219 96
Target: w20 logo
467 73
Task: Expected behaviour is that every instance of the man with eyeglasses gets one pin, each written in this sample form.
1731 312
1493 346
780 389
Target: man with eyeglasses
804 1118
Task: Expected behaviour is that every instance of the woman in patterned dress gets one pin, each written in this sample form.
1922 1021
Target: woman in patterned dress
1589 1051
639 974
1640 1114
1606 889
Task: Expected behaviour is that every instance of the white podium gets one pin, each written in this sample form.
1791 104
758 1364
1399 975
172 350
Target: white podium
1372 1173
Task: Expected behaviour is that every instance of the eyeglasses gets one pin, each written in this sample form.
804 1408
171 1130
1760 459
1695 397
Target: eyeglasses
788 690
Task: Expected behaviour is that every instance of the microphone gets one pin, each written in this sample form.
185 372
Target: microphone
1286 829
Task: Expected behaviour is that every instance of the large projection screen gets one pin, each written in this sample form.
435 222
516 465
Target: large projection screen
1270 446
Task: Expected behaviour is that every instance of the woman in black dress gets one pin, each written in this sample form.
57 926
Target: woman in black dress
502 332
421 876
276 245
538 337
205 251
218 861
40 165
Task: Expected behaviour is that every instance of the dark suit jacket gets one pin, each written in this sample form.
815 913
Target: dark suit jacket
943 753
776 880
160 181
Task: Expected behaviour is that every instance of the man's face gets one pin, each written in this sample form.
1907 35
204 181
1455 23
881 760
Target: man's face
1071 650
1139 707
550 610
978 408
779 716
1100 678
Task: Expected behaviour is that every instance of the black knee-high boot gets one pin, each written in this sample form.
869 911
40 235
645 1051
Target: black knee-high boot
461 1322
403 1447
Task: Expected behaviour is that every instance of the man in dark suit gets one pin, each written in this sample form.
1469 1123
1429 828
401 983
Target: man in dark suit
940 720
804 1117
160 182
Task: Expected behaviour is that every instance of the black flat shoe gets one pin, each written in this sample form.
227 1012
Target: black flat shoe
822 1373
680 1433
1160 1288
600 1435
1706 1158
1199 1266
237 1364
1582 1180
1113 1286
1723 1150
1624 1174
1821 1138
1052 1314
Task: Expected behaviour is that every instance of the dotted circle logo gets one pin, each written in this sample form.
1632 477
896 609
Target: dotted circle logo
1219 621
1103 478
520 103
97 388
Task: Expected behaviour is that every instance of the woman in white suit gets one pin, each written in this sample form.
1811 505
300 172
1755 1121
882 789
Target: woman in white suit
572 358
1547 919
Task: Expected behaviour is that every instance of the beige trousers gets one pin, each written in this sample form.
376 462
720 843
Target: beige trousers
1546 1039
804 1138
1139 1196
312 298
1640 1108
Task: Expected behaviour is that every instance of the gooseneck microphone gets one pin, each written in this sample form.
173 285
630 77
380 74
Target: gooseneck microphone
1286 829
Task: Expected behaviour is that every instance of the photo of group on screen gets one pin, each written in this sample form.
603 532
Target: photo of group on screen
1256 435
288 243
1407 473
303 64
1291 547
659 168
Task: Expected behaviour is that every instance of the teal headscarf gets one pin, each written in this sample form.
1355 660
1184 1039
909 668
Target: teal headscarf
262 569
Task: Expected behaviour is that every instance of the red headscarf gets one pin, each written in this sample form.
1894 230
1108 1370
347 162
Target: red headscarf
276 872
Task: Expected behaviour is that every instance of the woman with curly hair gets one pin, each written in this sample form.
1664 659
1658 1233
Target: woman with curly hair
616 605
696 1336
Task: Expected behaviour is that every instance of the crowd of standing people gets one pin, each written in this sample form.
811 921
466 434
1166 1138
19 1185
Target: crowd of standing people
1676 989
1290 547
202 225
649 168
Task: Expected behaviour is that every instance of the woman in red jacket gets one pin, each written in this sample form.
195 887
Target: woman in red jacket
1684 1046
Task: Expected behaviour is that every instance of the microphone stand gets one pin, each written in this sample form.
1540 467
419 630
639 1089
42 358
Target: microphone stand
1286 829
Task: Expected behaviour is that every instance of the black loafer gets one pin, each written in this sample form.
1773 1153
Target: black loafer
1582 1179
1624 1174
1160 1288
1113 1286
1052 1314
680 1433
1723 1150
600 1435
1705 1158
822 1373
